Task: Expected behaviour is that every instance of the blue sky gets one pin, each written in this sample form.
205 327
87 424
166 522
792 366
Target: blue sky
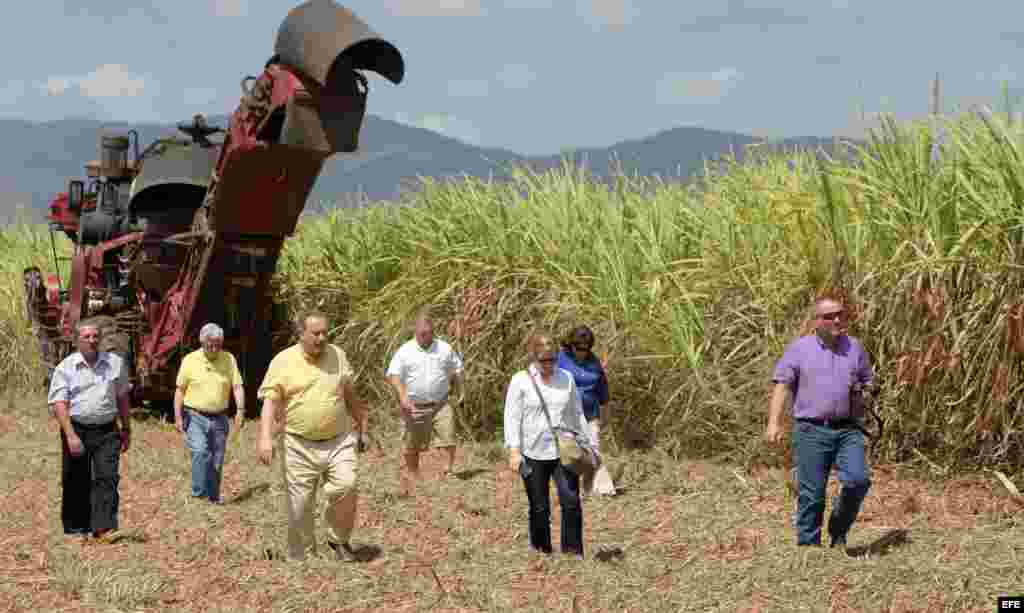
535 76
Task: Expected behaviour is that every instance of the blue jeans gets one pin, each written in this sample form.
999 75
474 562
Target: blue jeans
816 449
206 437
536 475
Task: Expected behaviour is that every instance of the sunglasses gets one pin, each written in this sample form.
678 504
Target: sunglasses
833 316
546 360
582 347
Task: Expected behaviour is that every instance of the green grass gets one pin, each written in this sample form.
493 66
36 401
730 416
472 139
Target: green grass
23 244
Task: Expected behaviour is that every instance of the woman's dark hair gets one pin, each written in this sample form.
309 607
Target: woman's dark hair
580 335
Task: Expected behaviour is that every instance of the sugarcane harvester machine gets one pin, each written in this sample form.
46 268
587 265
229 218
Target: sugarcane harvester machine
189 230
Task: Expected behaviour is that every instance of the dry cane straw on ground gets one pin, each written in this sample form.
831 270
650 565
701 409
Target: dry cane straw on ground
690 536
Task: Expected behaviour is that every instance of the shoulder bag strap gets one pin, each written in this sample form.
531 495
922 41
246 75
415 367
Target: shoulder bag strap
544 409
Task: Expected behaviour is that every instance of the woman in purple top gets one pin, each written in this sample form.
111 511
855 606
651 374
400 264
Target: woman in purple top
578 359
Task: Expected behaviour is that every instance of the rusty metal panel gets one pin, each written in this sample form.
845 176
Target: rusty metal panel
317 32
79 275
302 126
177 165
264 190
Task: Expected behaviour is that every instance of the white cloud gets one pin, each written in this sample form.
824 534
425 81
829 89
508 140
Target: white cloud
107 81
697 88
434 8
516 76
443 123
230 8
612 12
112 81
55 86
468 88
606 13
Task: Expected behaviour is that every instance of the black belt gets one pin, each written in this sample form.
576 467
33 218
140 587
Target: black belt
204 413
835 423
107 426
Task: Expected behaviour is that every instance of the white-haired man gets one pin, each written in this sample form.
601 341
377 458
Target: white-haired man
206 378
89 392
423 372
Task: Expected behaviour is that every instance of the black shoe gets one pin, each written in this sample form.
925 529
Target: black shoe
343 552
838 542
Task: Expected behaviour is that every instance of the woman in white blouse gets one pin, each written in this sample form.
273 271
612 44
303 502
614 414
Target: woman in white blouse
532 448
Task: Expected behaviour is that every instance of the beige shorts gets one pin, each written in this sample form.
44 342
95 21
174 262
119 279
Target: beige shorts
429 426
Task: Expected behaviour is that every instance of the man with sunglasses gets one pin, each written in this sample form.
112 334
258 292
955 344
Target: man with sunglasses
819 372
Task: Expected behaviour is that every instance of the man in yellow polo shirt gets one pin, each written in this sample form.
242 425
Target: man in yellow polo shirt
308 387
206 378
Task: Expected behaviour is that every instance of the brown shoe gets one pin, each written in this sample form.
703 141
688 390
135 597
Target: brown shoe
106 537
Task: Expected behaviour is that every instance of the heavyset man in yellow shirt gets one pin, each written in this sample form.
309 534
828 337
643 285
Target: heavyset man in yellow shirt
206 378
308 387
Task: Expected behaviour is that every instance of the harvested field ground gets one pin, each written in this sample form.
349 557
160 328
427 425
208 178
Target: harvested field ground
682 537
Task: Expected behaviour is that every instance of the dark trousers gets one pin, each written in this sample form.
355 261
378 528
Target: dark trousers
817 449
536 475
89 482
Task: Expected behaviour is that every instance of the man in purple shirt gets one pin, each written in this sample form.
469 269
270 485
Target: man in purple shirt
822 372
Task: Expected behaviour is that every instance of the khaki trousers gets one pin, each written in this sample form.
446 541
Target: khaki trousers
307 464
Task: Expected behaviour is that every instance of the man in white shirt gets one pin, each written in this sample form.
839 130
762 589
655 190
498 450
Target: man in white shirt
423 372
89 394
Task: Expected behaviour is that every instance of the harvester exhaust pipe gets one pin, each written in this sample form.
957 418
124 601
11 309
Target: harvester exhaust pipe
324 44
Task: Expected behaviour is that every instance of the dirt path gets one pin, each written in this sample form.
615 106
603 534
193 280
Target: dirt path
682 537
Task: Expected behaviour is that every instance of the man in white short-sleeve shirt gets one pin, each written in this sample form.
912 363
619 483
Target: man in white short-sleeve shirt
423 371
89 395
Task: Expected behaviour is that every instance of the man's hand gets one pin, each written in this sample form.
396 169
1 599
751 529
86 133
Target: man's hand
408 407
514 459
179 408
126 439
265 450
239 420
75 445
362 442
595 433
780 398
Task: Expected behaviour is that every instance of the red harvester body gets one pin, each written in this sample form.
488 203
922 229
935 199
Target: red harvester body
189 231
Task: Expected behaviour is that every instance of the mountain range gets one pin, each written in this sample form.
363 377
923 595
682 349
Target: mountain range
40 157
